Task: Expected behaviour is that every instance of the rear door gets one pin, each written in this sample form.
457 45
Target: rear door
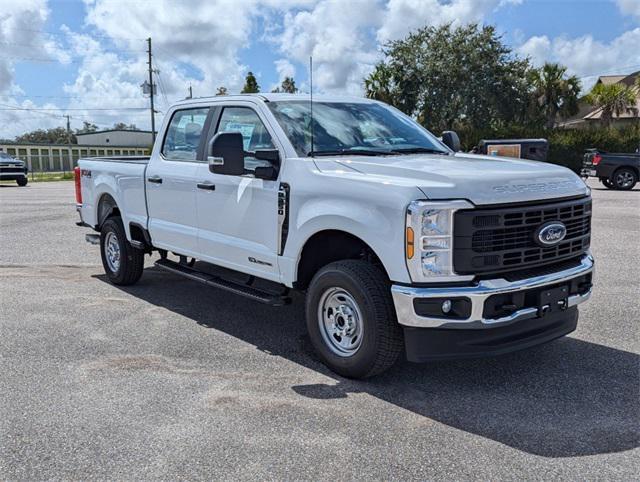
171 182
238 220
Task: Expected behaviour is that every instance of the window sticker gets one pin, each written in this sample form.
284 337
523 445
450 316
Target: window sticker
245 129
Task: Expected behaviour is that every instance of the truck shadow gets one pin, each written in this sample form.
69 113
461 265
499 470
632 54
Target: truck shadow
565 399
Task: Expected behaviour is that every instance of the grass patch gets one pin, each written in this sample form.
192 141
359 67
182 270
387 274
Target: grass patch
50 176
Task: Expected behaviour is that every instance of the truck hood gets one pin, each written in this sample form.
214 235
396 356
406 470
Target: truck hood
479 179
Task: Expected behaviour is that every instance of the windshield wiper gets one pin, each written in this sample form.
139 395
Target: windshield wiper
355 152
419 150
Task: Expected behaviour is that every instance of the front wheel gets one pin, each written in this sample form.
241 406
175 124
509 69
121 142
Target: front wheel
122 263
351 319
624 179
22 181
607 183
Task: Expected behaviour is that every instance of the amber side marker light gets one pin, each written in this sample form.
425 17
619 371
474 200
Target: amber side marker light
410 243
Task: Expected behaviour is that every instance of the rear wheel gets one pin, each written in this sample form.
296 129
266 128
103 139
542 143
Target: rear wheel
624 179
22 181
122 263
351 319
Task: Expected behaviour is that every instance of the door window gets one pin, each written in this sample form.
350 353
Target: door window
254 133
183 135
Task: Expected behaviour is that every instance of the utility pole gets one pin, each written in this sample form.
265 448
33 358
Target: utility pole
64 169
153 118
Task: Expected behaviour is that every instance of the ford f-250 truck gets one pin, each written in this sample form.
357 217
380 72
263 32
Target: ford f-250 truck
398 241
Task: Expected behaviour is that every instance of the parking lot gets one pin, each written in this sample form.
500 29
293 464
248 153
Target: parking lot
169 379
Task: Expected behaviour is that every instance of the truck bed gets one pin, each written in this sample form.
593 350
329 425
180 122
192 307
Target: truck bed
120 177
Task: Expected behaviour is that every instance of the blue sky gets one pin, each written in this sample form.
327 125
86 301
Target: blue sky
86 58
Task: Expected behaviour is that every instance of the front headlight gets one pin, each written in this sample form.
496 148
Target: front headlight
429 239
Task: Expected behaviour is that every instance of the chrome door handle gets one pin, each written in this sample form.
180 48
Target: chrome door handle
155 179
206 186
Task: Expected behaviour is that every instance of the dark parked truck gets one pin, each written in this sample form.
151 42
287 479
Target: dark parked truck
615 171
13 169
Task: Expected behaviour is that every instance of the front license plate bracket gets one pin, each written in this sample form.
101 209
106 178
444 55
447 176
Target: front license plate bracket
552 300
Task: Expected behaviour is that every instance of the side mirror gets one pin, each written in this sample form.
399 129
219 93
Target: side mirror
271 155
225 154
451 140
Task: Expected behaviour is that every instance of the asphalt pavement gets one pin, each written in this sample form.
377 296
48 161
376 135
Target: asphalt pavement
169 379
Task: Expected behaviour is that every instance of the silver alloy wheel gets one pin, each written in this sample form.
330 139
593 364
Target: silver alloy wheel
624 179
340 322
112 251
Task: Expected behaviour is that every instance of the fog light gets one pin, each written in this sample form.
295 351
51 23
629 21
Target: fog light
446 306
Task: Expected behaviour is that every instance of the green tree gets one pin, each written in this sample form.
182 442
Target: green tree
555 93
612 99
222 90
379 83
57 135
250 84
287 86
87 127
463 77
124 127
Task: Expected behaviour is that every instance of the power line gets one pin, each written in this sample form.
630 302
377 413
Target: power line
61 34
67 51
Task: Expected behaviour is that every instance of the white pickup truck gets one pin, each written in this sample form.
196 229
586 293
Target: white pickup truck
399 241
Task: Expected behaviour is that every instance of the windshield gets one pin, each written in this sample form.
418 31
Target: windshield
4 155
352 128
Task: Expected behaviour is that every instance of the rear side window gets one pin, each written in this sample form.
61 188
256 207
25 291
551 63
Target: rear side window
183 135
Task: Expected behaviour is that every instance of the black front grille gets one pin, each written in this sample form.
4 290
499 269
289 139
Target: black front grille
495 240
11 170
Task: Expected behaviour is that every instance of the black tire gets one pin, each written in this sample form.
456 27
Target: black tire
131 260
22 181
607 183
381 342
624 179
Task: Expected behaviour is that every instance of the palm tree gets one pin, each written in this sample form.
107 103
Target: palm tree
612 98
378 84
556 94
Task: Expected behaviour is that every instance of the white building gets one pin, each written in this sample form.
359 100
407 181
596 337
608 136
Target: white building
116 137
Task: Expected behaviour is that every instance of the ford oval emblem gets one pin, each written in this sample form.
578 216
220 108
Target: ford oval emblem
550 234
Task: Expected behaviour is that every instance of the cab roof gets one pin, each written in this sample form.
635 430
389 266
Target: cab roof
273 97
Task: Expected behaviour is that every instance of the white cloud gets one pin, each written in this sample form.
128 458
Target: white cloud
630 7
403 16
20 38
585 56
335 34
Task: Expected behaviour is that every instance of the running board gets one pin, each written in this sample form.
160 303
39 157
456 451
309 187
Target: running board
227 285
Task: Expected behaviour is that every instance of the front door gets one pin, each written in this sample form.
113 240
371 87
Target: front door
171 183
238 219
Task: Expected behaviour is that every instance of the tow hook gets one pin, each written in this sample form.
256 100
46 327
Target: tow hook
92 238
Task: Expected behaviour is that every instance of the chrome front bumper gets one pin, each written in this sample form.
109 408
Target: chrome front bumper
477 293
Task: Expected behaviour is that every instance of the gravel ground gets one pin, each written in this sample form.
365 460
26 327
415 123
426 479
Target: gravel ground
169 379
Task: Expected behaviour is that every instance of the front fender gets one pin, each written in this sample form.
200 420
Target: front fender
382 229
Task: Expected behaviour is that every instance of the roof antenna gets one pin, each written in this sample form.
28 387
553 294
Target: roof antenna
311 100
